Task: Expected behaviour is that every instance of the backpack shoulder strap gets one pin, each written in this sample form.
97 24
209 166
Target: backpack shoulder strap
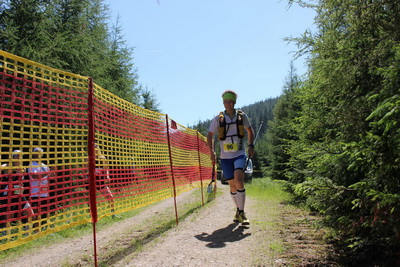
239 124
221 126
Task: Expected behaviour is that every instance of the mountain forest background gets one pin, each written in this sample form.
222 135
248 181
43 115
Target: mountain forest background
332 136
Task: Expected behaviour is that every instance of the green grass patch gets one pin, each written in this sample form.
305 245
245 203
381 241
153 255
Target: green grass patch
267 189
268 201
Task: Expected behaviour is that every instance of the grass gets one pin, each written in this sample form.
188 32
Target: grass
56 237
268 201
294 240
267 189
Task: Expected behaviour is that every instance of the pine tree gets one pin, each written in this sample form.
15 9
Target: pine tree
72 35
280 133
347 146
149 101
23 27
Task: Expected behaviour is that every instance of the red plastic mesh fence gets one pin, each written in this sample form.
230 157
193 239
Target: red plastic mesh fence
53 129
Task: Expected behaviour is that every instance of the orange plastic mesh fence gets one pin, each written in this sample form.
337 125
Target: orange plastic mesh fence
44 181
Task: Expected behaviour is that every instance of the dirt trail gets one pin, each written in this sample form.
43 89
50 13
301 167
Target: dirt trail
208 237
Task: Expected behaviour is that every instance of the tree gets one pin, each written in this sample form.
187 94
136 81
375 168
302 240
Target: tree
122 79
148 100
281 134
347 146
23 27
72 35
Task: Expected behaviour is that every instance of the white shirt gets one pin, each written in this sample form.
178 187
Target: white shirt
232 146
39 187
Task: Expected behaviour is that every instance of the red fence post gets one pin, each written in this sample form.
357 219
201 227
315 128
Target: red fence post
91 165
172 169
201 177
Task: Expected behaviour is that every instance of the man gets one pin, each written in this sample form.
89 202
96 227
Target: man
230 126
39 179
12 198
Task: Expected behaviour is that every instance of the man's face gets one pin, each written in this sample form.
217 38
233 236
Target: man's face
37 155
229 104
16 159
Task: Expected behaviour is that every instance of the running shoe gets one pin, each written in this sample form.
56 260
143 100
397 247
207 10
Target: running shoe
243 219
236 218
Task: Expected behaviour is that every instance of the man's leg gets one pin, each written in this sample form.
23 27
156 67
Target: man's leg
237 184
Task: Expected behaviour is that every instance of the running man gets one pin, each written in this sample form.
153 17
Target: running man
230 127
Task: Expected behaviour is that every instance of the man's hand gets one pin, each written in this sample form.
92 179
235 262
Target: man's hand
250 151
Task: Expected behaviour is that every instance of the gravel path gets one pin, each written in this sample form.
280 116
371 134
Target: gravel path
208 237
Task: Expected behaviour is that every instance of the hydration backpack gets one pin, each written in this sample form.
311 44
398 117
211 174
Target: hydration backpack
222 129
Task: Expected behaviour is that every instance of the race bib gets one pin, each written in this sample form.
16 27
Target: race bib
229 147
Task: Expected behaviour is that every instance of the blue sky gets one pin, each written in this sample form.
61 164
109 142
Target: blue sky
188 52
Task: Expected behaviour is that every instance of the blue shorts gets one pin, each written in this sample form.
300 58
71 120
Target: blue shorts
228 166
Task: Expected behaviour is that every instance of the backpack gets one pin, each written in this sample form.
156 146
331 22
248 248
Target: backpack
222 125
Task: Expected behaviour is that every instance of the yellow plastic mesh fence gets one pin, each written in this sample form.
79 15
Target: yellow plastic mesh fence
139 156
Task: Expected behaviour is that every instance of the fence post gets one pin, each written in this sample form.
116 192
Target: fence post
91 165
201 177
172 168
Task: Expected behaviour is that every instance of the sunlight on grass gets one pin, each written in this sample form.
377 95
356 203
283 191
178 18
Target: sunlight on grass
268 200
265 188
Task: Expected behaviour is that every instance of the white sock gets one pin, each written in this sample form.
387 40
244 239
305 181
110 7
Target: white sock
241 199
234 197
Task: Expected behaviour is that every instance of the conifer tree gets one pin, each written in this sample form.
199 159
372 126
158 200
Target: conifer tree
72 35
347 146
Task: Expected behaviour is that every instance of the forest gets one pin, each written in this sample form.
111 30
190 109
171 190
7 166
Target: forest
74 36
332 136
335 135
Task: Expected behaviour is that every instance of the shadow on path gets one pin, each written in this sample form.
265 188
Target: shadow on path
220 237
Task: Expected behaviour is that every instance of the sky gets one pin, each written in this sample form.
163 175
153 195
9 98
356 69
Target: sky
188 52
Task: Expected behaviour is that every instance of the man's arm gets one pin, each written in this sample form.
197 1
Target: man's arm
250 135
250 141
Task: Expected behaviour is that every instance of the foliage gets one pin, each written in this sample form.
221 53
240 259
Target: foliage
149 100
260 113
278 138
336 135
73 35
